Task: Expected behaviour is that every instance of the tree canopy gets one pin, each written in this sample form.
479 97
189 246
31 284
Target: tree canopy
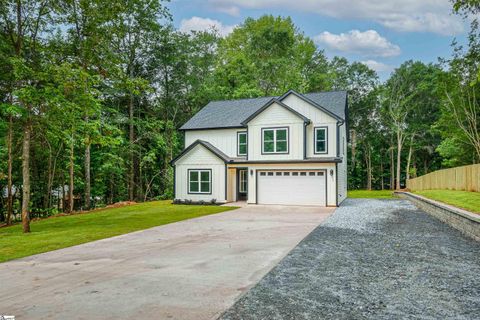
92 94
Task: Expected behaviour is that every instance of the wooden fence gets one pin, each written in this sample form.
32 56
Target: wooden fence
465 178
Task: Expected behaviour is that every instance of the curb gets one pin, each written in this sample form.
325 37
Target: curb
466 222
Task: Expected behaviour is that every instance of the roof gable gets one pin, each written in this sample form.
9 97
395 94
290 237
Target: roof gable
311 102
207 146
268 104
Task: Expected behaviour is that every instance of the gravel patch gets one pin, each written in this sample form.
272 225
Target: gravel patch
372 259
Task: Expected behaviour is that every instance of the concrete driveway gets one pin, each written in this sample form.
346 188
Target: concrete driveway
194 269
372 259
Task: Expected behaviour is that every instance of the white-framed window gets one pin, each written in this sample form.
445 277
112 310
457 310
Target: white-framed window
200 181
242 143
243 187
275 140
321 143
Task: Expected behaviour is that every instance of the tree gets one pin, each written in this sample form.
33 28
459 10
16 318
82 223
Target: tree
25 22
265 56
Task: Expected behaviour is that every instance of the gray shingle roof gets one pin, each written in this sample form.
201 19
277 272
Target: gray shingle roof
231 113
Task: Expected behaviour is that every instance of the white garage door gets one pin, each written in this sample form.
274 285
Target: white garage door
292 187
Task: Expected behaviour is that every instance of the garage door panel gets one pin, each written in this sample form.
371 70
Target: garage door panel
292 187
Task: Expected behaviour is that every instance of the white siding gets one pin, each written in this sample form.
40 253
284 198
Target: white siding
276 116
331 183
342 167
200 158
223 139
318 118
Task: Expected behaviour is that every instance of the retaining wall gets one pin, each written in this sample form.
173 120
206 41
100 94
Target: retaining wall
466 222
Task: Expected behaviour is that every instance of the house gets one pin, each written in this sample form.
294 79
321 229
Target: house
289 150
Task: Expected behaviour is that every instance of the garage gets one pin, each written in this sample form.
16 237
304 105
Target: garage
292 187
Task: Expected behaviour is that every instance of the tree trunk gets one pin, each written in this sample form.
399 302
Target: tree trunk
368 160
354 147
381 172
399 159
392 170
131 184
409 158
87 176
70 188
63 193
9 171
26 178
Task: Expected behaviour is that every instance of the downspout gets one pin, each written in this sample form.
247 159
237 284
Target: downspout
305 124
174 182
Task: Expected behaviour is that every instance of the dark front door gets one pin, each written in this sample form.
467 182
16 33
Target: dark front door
242 184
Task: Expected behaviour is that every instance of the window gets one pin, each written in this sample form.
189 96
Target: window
242 143
243 181
275 140
321 140
199 181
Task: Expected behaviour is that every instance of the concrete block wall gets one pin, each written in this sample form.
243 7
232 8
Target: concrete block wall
466 222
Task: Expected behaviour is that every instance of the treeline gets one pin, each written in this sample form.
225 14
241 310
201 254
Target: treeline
92 93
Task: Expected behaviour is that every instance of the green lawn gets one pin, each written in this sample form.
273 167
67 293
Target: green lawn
65 231
462 199
379 194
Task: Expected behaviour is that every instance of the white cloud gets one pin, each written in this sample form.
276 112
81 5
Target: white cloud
230 10
204 24
368 43
400 15
377 66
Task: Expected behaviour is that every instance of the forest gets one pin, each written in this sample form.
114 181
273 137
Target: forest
92 93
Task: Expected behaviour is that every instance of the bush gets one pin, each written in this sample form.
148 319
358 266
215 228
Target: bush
191 202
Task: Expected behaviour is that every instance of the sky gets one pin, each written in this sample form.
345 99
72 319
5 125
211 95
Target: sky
379 33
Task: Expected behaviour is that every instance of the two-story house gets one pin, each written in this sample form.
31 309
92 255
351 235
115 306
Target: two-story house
288 150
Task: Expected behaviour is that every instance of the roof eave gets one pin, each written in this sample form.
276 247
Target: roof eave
205 145
268 104
318 106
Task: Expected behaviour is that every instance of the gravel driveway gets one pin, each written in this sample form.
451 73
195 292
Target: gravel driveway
372 259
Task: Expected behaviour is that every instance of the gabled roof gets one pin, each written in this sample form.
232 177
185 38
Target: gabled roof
312 102
207 145
231 113
268 104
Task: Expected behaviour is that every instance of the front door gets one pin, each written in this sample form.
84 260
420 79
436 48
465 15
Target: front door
242 186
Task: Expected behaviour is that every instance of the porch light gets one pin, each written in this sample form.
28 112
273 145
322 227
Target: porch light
251 172
331 172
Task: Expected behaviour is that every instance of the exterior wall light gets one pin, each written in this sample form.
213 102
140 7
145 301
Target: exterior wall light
331 172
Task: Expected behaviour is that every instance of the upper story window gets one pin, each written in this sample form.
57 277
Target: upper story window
275 140
321 143
200 181
242 143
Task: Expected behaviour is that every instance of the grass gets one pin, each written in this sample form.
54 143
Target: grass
65 231
378 194
462 199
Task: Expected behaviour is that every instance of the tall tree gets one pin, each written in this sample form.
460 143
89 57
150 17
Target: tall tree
25 22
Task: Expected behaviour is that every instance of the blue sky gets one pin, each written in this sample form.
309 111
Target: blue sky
380 33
